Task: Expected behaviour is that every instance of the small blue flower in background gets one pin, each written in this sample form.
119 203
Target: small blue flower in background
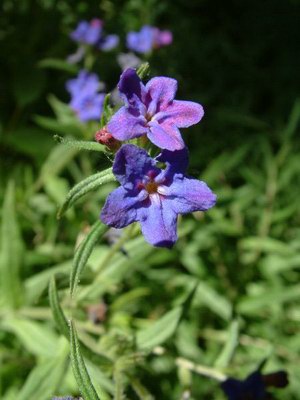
152 110
88 32
91 33
86 102
152 196
148 38
254 387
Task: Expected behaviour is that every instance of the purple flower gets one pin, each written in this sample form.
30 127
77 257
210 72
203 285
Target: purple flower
162 38
84 83
254 387
108 42
142 41
91 33
151 110
88 32
148 38
152 196
85 99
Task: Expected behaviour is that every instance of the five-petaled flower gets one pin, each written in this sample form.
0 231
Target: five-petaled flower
85 99
151 110
153 196
148 38
254 387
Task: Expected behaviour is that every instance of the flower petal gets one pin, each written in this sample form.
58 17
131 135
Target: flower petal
162 91
177 161
181 113
132 163
188 195
127 124
109 42
130 87
165 136
119 209
158 222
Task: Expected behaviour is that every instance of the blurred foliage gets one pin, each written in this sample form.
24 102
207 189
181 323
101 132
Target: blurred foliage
228 294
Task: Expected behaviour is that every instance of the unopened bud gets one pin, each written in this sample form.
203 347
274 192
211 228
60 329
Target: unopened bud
104 137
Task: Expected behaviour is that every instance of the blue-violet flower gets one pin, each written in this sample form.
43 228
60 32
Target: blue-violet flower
86 102
151 110
152 196
148 38
91 33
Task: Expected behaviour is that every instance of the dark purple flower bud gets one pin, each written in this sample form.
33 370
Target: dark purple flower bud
152 110
152 196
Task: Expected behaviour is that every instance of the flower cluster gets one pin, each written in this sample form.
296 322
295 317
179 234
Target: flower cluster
86 101
148 38
91 33
149 194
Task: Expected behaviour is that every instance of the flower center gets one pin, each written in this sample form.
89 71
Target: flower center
151 187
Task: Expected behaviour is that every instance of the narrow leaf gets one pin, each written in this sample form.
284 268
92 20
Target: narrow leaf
84 251
80 144
228 350
57 311
160 331
62 324
143 70
107 111
79 369
11 251
87 185
58 64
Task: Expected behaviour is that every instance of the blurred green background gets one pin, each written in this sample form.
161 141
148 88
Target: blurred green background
241 61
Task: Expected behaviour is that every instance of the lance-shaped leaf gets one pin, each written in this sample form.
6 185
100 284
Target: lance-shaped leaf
229 348
84 251
165 327
62 325
58 315
87 185
79 369
11 247
45 378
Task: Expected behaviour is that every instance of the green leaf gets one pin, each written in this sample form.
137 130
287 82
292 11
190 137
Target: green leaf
62 324
72 127
160 331
143 70
35 336
57 311
80 144
229 348
61 65
107 111
87 185
79 369
45 378
165 327
84 251
56 161
11 255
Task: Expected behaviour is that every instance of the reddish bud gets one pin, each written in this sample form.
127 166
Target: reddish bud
104 137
